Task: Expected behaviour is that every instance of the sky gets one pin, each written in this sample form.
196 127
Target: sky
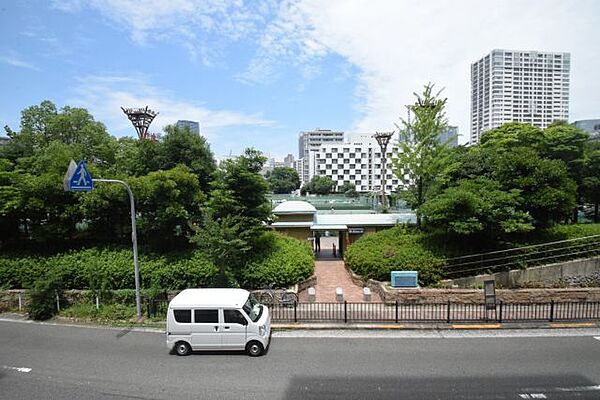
256 73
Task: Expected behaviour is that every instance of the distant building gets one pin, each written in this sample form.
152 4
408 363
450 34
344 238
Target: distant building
193 126
309 142
591 126
450 136
4 140
357 161
524 86
288 161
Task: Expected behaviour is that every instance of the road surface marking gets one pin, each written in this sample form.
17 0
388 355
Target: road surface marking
573 325
479 326
19 369
532 396
597 337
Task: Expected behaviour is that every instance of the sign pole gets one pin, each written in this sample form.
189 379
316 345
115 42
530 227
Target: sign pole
136 266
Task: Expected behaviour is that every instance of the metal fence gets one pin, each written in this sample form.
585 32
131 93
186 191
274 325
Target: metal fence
396 312
522 257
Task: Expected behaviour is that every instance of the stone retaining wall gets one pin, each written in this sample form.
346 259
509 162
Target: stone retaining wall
547 275
466 296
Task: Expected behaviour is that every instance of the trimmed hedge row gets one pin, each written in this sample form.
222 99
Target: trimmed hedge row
103 268
395 249
284 261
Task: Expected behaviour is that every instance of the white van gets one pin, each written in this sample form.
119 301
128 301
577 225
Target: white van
217 319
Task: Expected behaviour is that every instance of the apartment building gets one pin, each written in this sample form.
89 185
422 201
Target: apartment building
308 143
525 86
357 161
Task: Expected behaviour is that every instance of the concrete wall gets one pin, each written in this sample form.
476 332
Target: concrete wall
535 276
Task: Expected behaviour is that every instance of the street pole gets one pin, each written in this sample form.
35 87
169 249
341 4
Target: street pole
136 266
383 138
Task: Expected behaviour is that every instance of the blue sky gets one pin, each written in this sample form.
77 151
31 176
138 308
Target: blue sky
256 73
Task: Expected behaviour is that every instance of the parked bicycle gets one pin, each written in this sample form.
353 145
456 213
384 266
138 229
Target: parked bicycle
271 296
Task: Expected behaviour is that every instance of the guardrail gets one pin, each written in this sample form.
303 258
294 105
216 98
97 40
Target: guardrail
522 257
438 312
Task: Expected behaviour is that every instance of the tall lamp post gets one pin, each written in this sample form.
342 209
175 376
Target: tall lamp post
141 118
383 138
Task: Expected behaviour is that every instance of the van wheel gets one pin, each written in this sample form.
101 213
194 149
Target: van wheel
183 348
255 349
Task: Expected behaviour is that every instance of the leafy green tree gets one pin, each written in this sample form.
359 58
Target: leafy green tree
348 189
235 214
322 185
591 180
421 157
547 191
477 206
283 180
168 202
181 146
511 135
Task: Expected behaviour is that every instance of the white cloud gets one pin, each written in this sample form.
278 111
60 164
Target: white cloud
186 22
104 96
16 61
398 46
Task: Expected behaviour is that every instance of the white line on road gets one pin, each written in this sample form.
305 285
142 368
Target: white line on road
597 337
19 369
579 388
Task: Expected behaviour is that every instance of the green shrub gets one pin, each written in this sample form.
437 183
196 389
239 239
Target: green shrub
396 249
102 269
42 298
284 261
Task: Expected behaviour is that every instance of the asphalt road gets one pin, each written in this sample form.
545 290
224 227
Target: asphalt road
61 362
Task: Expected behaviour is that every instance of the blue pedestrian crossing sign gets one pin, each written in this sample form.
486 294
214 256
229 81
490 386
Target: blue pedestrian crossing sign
78 178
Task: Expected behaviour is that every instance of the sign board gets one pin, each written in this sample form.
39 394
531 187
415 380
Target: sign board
78 178
489 290
356 230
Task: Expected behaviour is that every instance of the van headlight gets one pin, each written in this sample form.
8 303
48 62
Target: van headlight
262 330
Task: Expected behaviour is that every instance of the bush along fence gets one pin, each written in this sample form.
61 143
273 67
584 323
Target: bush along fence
397 312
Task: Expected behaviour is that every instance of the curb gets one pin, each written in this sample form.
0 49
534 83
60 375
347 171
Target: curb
12 317
436 326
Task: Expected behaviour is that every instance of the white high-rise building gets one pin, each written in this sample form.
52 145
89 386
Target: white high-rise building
357 161
525 86
309 142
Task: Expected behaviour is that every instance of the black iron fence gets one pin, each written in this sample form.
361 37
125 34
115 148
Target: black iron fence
438 312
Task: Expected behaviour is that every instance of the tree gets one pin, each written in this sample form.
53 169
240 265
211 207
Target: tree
235 214
477 206
348 189
181 146
283 180
322 185
421 156
511 135
591 180
548 193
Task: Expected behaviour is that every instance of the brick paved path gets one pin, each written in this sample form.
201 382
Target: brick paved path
330 275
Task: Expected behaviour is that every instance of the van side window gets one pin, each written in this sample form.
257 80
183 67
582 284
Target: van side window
183 316
206 316
234 317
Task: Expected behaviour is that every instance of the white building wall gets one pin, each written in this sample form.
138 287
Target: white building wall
357 162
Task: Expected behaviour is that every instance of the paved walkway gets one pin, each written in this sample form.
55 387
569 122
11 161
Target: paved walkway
331 274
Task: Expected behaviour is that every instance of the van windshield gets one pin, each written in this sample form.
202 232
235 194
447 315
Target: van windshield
253 309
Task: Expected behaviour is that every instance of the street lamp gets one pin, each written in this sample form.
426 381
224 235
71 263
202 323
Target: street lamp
383 138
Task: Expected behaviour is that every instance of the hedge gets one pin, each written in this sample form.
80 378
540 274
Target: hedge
105 268
286 261
396 249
